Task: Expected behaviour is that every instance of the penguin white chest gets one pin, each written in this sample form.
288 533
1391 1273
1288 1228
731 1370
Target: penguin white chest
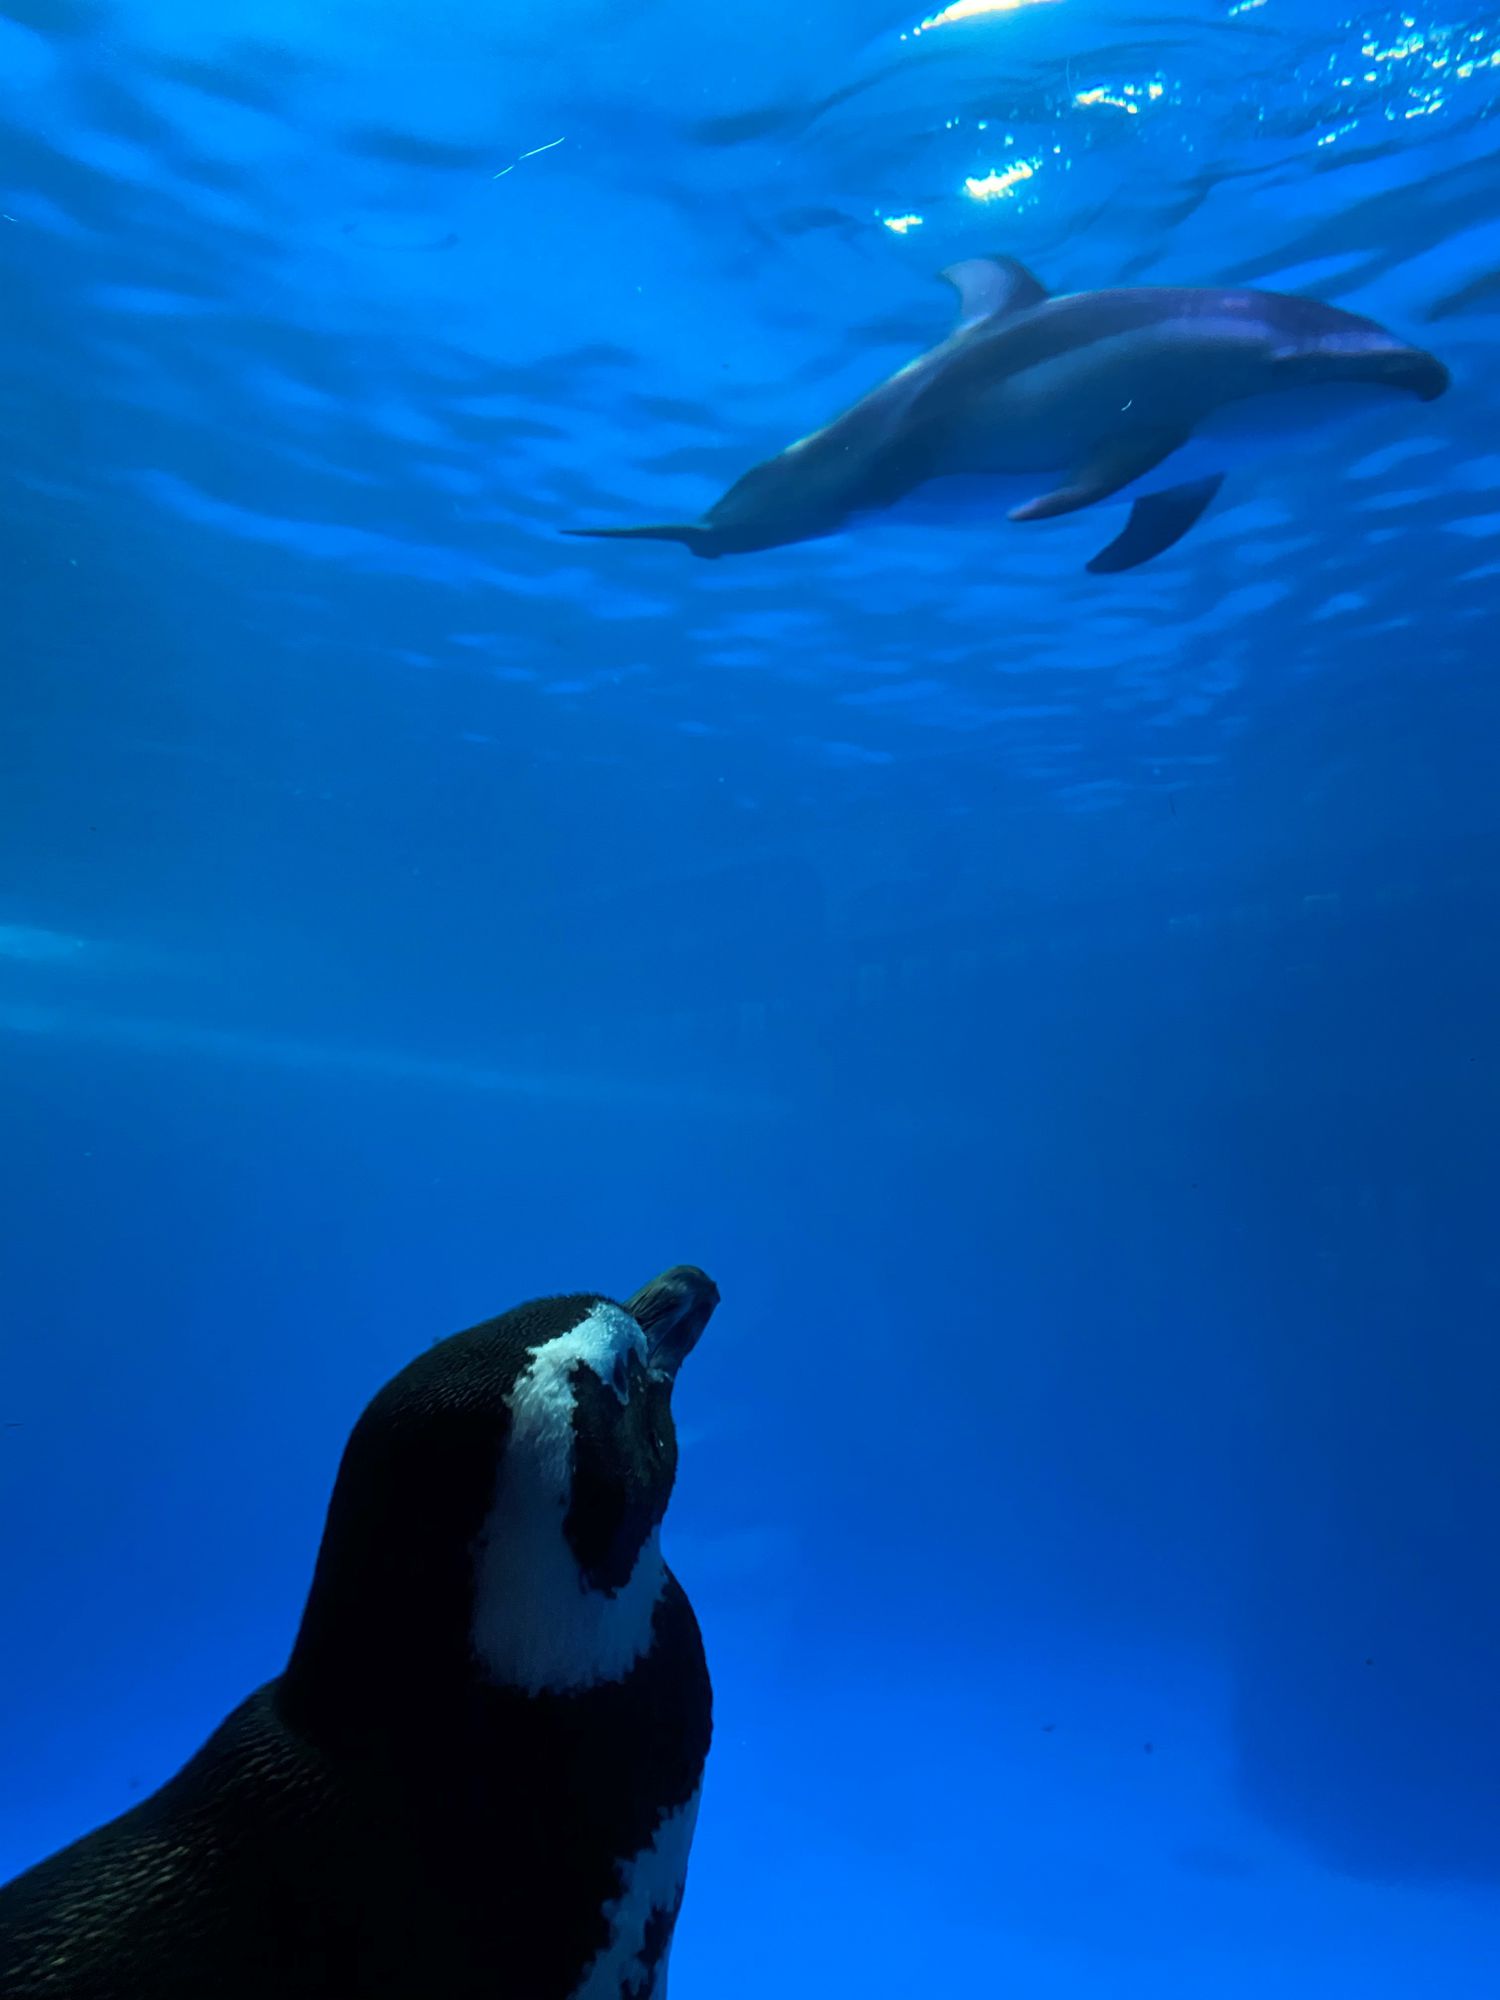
640 1919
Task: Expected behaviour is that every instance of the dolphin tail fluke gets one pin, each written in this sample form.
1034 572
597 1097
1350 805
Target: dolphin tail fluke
692 536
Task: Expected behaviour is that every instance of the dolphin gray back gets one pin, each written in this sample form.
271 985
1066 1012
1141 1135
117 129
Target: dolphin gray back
1302 338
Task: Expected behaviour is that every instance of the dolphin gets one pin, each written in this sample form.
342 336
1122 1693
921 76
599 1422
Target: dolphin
1093 392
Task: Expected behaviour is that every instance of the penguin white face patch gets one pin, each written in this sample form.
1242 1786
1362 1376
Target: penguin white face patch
539 1623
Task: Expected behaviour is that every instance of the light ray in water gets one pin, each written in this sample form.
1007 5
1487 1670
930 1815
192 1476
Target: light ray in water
990 186
607 1091
973 10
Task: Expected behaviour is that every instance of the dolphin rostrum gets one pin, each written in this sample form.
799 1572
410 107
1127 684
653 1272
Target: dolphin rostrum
1085 394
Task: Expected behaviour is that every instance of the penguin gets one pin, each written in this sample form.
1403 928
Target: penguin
479 1772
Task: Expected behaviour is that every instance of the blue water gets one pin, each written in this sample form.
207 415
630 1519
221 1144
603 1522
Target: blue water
1060 1011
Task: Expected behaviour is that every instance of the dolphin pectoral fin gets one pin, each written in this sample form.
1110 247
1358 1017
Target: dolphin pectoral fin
989 287
1112 469
689 533
1157 521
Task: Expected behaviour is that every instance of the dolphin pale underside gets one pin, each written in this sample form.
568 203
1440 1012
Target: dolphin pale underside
1100 388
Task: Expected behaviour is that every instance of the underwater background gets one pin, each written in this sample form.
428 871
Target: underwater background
1061 1012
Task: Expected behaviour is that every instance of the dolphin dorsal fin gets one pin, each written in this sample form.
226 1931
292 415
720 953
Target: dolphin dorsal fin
990 287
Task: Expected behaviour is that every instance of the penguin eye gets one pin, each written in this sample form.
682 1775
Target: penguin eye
620 1380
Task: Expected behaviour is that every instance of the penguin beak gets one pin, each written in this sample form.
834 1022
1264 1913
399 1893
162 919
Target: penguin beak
672 1312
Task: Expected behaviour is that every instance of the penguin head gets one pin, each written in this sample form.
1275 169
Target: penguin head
496 1516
